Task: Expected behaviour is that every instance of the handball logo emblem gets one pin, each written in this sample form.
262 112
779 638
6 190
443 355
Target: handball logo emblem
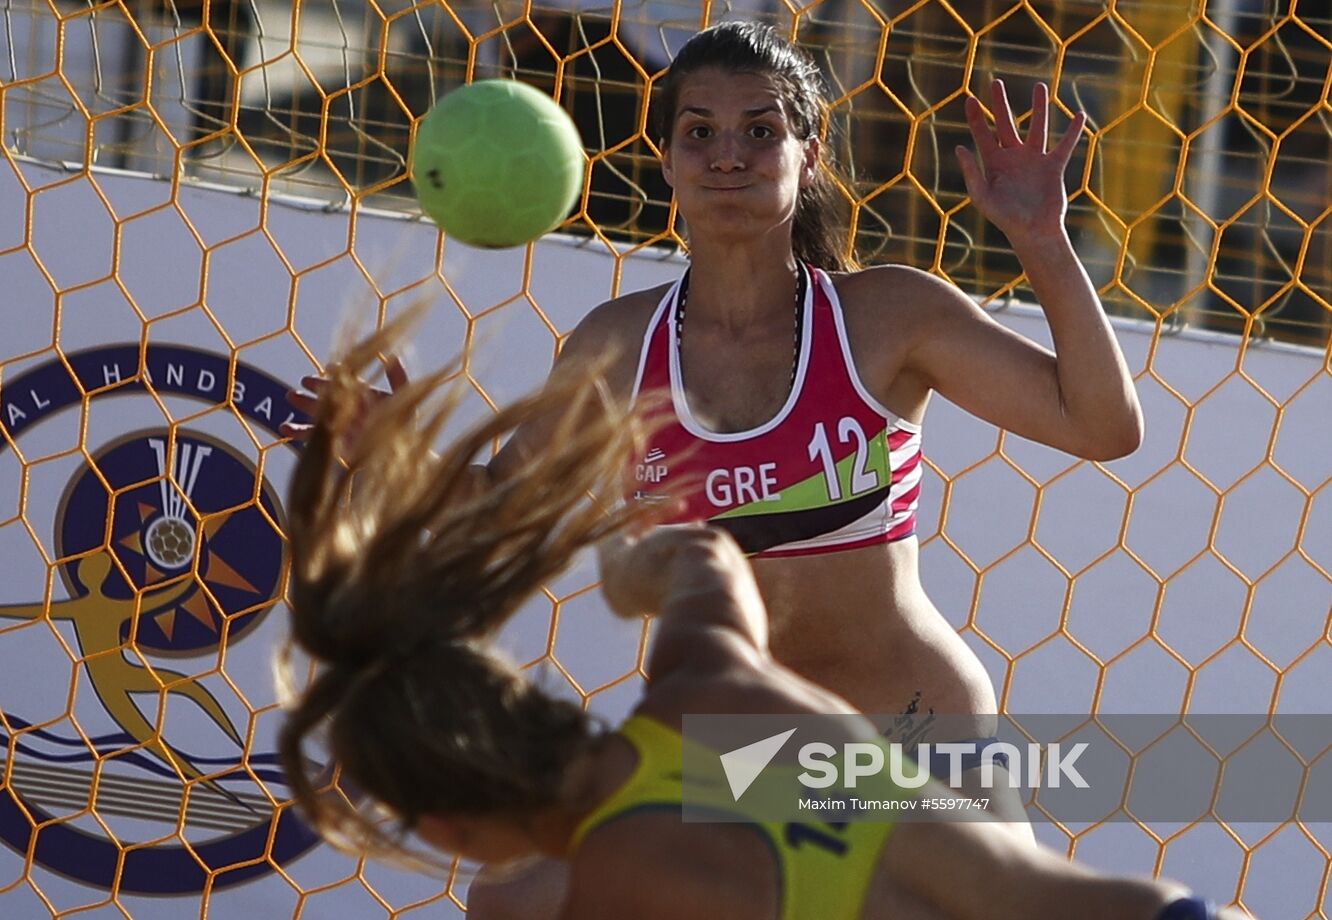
169 547
169 504
170 539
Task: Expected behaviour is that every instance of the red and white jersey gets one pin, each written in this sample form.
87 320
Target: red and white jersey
833 470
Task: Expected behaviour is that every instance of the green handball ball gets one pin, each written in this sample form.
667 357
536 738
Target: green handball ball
497 163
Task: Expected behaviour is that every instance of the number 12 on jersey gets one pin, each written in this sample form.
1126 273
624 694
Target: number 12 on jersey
863 477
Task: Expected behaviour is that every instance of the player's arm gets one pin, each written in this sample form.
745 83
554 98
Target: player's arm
697 582
1080 397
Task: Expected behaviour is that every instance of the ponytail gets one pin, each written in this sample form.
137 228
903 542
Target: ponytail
402 570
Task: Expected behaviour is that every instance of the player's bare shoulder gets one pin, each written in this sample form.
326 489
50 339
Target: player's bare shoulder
887 310
899 296
614 331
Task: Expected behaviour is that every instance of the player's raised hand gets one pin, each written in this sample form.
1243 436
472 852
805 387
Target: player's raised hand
1015 182
307 400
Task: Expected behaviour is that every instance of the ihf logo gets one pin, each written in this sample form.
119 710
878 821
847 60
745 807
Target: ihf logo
147 767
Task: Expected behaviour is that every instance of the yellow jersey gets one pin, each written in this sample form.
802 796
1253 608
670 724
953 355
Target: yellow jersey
825 867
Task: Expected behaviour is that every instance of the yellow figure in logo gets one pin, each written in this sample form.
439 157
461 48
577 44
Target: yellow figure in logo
97 620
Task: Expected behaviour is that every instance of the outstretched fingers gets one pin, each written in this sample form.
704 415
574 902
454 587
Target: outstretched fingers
1038 133
1005 134
1039 129
981 133
1004 125
971 173
1063 151
306 399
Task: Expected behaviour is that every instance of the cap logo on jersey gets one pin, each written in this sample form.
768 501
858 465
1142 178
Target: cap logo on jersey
652 469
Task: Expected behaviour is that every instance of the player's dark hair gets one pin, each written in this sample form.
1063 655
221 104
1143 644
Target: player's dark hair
819 235
398 584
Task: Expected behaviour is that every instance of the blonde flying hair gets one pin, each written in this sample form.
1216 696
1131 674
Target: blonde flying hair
404 564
